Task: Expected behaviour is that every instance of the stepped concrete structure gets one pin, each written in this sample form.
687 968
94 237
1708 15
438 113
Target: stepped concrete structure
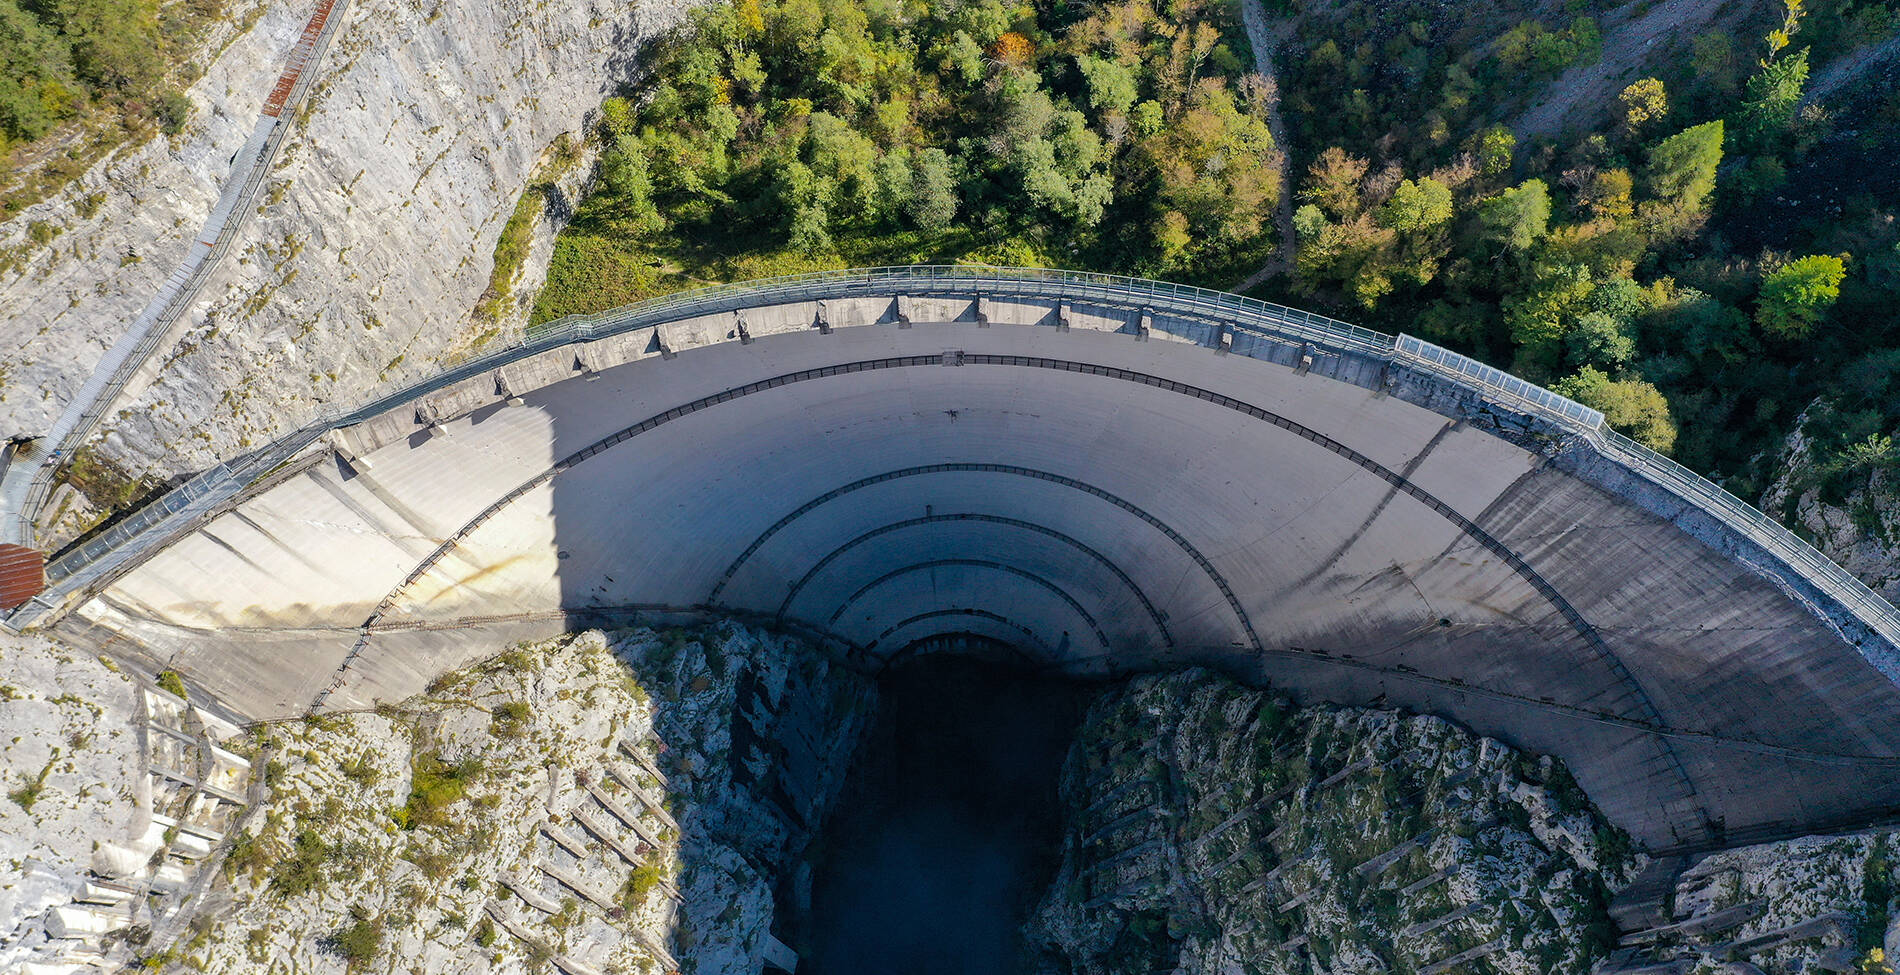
1101 474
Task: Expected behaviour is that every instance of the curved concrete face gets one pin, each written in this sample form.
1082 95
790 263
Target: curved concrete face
1099 485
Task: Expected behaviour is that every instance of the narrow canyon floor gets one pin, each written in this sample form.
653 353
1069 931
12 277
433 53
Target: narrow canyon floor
950 824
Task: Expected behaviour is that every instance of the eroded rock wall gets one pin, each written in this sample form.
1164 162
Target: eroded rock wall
1862 533
69 747
1215 828
1815 904
618 802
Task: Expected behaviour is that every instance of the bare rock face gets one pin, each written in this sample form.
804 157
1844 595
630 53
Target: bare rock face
70 752
371 242
1819 903
1215 828
1862 533
609 802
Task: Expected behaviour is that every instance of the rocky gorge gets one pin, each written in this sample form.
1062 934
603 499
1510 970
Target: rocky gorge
640 800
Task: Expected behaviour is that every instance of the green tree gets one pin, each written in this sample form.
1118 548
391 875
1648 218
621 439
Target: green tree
1216 164
115 42
1716 67
1517 217
1332 183
626 189
933 198
36 79
1494 147
1682 167
1770 100
1600 340
1794 297
1416 206
1632 407
1544 308
1112 88
1644 102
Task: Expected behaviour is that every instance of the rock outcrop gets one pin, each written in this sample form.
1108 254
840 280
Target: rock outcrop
618 802
70 750
371 243
1215 828
1815 904
1862 533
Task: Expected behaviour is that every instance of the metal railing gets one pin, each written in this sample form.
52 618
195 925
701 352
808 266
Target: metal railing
1498 382
158 522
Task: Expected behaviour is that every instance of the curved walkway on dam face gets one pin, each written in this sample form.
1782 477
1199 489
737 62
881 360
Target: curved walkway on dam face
1107 474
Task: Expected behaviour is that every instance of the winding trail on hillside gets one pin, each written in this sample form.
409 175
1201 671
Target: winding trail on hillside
1850 67
1264 36
1584 93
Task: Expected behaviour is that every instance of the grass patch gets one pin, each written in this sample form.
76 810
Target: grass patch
436 786
247 855
28 794
639 884
302 871
171 683
109 487
510 720
511 249
357 769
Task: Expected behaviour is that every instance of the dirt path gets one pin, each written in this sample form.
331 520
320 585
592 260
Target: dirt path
1849 67
1265 36
1581 95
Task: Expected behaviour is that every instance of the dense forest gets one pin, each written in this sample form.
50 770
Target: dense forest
1631 262
79 76
781 135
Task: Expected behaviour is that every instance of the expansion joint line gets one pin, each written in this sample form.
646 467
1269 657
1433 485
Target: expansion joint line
1187 547
983 614
1058 591
1154 614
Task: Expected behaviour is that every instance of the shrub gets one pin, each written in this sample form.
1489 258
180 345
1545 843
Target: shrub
302 871
436 786
172 111
357 769
511 719
360 942
171 683
639 884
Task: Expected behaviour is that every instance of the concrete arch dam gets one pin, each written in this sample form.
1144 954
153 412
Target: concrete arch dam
1105 474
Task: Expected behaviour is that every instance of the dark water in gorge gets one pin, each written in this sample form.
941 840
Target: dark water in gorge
948 829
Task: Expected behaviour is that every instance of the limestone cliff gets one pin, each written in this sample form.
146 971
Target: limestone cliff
371 243
1215 828
69 747
1862 533
612 802
1815 904
606 803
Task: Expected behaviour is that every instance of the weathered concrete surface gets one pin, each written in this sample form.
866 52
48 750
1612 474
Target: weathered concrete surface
1354 532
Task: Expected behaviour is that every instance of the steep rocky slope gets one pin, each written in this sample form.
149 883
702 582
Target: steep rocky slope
1816 904
70 751
1862 533
614 802
1215 829
372 241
